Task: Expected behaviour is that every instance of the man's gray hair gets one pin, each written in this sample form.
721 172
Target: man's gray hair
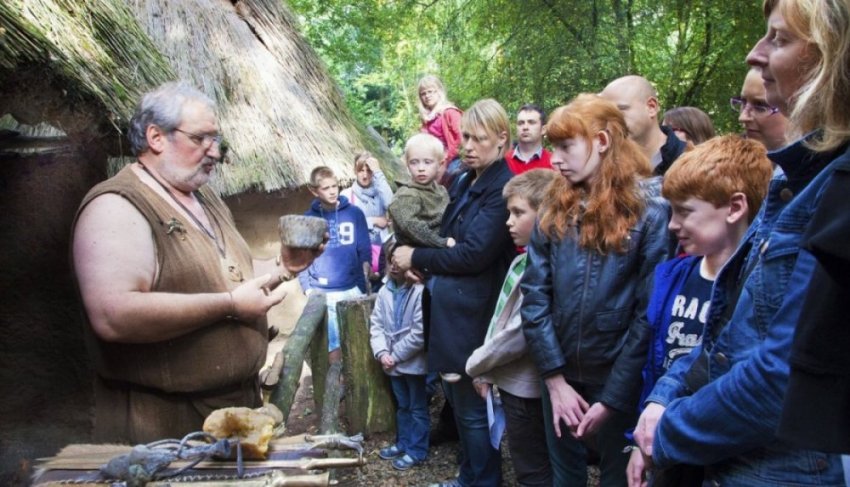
162 107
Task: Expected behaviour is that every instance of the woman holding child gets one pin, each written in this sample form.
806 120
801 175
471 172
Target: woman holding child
601 232
466 278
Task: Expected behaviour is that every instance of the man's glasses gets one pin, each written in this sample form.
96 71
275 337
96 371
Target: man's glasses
204 140
756 109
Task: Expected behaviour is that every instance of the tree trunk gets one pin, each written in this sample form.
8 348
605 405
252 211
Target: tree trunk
369 406
312 318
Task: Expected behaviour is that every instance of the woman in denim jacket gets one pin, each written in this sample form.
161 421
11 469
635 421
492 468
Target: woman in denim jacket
726 417
591 261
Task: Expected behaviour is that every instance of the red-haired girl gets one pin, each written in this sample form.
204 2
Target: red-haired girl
601 232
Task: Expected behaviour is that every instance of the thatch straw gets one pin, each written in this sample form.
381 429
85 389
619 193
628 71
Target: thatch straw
279 111
96 46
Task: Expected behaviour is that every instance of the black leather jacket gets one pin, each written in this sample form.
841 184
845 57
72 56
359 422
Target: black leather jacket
584 313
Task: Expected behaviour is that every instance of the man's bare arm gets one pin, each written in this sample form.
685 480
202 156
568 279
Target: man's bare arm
115 262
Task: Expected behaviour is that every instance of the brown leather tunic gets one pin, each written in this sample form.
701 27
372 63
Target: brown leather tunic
160 390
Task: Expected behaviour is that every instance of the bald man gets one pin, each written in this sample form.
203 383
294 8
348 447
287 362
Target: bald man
638 101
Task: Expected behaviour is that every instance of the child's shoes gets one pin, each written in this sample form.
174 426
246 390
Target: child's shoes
404 462
390 452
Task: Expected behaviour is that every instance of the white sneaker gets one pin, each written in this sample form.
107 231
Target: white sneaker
450 377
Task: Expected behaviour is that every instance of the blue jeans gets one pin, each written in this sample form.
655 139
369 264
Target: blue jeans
332 298
413 423
480 465
568 455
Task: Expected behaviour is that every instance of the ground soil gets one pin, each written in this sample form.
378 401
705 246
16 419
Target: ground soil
440 466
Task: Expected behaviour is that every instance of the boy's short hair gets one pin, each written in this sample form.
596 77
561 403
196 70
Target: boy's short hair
719 167
319 173
430 142
533 107
530 185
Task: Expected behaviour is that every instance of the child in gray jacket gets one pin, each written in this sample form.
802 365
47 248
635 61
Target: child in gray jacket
398 343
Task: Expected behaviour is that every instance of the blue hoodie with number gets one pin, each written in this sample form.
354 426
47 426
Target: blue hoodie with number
340 266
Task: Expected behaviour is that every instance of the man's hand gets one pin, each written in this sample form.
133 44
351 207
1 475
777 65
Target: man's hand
647 423
636 469
567 404
481 387
252 299
450 242
593 419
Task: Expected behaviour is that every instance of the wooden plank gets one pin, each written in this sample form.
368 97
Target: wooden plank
58 463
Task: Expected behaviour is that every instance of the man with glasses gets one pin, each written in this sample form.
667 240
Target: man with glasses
176 319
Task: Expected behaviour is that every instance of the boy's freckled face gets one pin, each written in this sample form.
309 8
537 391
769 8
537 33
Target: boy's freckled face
700 227
327 191
521 220
423 164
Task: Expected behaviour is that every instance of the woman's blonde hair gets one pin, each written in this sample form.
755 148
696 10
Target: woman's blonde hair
822 100
490 116
431 81
609 204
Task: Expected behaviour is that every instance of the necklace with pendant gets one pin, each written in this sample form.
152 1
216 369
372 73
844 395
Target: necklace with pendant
230 267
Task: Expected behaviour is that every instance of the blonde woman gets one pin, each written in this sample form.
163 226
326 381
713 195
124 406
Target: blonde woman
441 118
466 280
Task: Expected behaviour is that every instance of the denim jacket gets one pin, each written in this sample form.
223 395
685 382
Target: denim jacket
730 423
584 313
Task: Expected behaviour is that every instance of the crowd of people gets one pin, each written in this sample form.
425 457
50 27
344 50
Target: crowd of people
641 292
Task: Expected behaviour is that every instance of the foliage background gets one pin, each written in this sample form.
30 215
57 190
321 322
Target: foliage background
541 51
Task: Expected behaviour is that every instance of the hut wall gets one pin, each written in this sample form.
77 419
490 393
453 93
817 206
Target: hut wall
45 392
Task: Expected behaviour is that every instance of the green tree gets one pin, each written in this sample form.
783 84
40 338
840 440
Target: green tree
542 51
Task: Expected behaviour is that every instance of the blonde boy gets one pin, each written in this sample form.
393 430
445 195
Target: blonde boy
502 359
417 208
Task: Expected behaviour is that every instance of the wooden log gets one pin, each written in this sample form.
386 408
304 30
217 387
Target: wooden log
312 319
369 403
318 360
333 394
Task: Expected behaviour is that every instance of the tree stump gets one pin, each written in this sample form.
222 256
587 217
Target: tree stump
369 404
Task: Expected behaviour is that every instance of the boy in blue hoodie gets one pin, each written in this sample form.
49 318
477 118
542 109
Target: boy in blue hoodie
715 191
342 270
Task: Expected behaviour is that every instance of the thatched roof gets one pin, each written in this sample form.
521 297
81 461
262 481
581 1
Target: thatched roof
279 111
